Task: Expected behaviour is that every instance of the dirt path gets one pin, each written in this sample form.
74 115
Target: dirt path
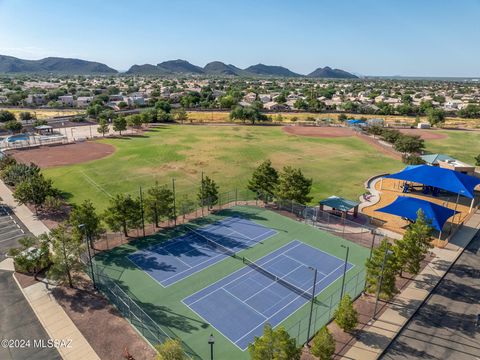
60 155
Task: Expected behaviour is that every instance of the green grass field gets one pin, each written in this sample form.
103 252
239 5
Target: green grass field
164 304
228 154
462 145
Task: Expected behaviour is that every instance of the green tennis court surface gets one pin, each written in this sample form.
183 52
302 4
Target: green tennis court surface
173 318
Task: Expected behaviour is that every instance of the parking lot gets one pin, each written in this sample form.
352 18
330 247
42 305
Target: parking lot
11 230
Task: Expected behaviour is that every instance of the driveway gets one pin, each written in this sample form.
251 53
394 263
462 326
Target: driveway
18 321
446 327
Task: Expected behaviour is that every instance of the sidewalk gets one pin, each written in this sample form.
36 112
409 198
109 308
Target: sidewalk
375 338
35 226
56 323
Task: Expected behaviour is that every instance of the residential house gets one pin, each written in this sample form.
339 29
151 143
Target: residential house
84 101
250 97
36 99
66 100
273 106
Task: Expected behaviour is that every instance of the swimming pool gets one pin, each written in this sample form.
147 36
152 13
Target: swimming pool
14 138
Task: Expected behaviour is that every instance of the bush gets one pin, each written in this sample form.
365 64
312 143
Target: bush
16 173
170 350
346 316
323 345
32 256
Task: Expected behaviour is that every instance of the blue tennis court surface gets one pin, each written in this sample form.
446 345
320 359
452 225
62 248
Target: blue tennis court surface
174 260
240 304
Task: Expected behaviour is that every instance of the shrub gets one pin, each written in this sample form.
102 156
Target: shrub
323 345
346 316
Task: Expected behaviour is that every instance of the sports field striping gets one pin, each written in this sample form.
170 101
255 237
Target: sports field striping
240 304
176 259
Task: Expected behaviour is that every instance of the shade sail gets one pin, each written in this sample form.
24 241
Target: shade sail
445 179
407 207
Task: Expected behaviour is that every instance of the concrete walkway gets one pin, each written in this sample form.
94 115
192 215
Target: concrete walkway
375 338
57 323
23 213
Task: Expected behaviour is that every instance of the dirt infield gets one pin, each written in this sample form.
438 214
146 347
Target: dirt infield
50 156
315 131
424 134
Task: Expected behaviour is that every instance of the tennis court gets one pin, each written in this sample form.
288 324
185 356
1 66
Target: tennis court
180 257
268 290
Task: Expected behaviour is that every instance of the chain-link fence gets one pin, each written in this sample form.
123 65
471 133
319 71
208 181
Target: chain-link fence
26 141
324 309
338 225
154 333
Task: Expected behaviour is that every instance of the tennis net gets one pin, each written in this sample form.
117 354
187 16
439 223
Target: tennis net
215 245
274 277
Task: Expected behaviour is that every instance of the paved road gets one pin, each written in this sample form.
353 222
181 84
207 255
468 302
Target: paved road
445 327
18 321
11 230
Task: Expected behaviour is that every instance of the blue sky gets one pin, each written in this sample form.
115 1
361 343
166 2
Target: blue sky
382 37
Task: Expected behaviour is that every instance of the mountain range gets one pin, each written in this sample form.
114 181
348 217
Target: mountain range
56 65
10 64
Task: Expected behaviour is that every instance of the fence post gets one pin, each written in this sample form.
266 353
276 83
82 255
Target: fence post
236 196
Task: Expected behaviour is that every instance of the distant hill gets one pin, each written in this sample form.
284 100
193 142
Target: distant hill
57 65
10 64
180 66
220 68
270 70
329 73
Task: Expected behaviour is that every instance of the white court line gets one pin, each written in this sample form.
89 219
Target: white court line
218 225
292 302
320 272
237 278
91 181
243 302
274 282
206 321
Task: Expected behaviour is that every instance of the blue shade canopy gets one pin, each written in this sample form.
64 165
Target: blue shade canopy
445 179
407 207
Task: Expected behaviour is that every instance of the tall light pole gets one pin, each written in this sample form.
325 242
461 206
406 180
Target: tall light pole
211 341
387 252
174 203
203 194
344 270
312 301
87 240
142 211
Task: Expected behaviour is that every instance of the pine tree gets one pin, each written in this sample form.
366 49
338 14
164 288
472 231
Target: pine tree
274 345
414 245
103 127
158 204
85 215
374 270
65 255
346 316
124 213
323 344
293 185
264 180
208 192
